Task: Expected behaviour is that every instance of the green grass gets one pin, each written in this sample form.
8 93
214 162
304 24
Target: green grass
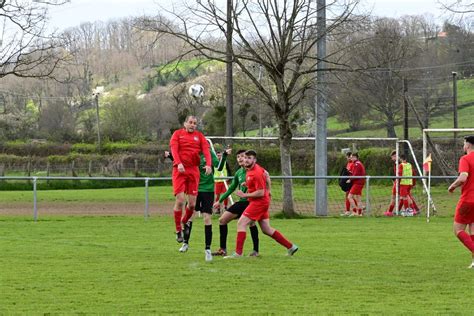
125 265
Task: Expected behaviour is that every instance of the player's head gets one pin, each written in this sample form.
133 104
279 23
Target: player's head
219 154
468 143
348 155
241 157
403 157
250 158
190 123
393 155
354 156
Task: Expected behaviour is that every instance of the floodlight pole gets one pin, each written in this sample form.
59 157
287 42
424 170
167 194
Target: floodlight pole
320 155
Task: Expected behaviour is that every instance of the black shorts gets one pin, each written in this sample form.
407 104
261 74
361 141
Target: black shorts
204 202
238 208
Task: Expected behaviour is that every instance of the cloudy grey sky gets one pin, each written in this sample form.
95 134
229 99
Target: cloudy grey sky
78 11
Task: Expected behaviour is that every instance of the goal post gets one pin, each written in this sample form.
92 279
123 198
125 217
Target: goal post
337 147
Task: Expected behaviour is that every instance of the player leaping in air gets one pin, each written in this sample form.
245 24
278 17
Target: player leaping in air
186 145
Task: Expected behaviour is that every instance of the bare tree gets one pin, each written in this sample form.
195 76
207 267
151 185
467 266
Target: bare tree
281 36
26 50
458 6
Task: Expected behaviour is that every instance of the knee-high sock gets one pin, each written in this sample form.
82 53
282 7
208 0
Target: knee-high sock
177 219
472 237
391 207
187 232
239 248
187 215
348 205
281 239
466 240
208 235
254 234
223 229
405 204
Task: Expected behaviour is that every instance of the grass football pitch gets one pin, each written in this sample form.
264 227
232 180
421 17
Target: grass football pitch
124 264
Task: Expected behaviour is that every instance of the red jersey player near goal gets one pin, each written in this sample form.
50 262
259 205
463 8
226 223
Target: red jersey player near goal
257 210
186 145
464 216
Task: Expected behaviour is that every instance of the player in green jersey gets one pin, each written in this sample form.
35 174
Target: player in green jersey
236 210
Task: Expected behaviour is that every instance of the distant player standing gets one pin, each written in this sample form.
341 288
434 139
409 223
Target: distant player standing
464 215
186 145
345 184
258 209
355 193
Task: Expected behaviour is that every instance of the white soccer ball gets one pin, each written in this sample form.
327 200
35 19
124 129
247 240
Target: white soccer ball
196 90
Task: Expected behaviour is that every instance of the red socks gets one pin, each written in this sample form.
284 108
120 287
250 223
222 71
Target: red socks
177 219
281 239
188 214
391 207
239 248
466 240
472 237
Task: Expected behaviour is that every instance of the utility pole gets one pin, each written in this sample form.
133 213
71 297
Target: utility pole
405 115
321 112
229 74
96 101
455 103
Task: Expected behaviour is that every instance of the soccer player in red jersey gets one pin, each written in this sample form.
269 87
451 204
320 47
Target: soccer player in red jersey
355 192
396 182
186 145
464 215
348 167
257 210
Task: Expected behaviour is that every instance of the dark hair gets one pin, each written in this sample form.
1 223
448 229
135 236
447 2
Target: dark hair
190 116
251 153
348 154
355 155
241 151
394 152
403 157
469 139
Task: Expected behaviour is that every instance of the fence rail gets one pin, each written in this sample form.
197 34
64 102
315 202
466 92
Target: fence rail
308 198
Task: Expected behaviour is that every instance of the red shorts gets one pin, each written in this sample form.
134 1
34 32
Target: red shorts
464 213
187 182
404 190
257 211
356 189
219 188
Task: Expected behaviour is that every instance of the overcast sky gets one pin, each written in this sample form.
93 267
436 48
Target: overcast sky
78 11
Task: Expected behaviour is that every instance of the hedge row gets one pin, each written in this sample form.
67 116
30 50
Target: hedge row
377 162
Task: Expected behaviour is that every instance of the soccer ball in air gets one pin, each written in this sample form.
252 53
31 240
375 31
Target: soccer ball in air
196 90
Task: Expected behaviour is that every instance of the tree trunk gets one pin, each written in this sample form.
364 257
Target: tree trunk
391 126
285 156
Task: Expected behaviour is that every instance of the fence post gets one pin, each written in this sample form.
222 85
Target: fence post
35 200
146 198
367 195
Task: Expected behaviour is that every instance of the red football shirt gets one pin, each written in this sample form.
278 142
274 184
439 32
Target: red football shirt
255 180
358 169
466 164
349 166
186 147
